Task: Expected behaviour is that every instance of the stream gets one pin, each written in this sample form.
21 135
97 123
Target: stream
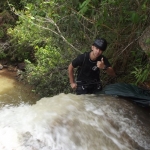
69 121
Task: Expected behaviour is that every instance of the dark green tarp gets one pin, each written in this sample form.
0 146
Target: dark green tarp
136 94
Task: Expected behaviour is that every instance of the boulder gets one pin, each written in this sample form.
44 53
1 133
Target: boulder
1 67
144 41
21 66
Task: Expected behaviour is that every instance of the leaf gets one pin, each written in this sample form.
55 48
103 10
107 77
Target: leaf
84 7
147 41
135 18
32 17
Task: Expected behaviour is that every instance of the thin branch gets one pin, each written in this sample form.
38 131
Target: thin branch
59 33
52 22
129 45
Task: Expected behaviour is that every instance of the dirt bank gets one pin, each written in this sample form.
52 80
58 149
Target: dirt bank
8 74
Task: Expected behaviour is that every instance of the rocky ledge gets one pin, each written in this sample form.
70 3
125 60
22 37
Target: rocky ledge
14 67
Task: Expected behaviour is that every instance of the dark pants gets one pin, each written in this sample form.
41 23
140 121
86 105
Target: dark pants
88 88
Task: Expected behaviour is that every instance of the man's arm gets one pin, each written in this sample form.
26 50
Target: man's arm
71 76
110 71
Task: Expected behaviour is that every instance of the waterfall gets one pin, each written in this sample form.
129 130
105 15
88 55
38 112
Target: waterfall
74 122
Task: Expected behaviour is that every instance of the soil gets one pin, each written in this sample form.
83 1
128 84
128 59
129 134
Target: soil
8 74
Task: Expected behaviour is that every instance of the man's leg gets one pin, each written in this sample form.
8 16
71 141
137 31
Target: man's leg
97 88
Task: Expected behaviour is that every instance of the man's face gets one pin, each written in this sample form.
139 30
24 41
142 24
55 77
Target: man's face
96 51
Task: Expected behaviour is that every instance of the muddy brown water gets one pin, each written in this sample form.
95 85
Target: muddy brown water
69 121
13 91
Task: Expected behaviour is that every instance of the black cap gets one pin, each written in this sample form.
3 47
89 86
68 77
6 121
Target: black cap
100 44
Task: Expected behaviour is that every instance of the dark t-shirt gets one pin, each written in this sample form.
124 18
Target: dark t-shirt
87 70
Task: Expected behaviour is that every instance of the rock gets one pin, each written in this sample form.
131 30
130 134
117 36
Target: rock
19 72
21 66
144 41
5 66
1 67
12 68
3 62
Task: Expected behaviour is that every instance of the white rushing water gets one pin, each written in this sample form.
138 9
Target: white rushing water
71 122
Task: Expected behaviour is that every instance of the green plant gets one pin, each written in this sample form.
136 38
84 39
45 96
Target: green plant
2 55
48 75
1 33
70 27
141 74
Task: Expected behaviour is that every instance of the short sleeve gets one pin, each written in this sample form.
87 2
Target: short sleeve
106 62
78 61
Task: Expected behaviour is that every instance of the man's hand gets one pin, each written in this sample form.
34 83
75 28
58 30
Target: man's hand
73 85
100 64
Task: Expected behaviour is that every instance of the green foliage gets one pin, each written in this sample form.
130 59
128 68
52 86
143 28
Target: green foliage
147 41
140 67
2 54
84 6
57 30
1 33
141 74
24 37
6 21
47 74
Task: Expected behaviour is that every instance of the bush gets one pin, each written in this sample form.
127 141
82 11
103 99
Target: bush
48 75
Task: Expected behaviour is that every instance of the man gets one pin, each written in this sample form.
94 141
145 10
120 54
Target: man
89 65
